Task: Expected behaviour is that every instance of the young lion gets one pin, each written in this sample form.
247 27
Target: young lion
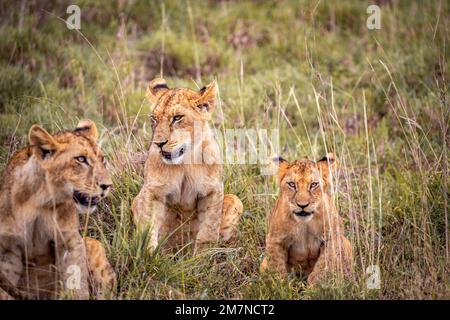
305 231
43 189
182 197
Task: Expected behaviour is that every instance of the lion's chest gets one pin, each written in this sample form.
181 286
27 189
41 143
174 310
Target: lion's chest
32 239
186 194
38 239
304 250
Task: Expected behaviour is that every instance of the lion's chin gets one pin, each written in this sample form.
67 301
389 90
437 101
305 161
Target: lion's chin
84 203
173 161
81 209
308 218
304 215
174 157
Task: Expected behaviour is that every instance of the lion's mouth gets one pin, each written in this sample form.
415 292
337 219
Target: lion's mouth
303 213
85 200
174 154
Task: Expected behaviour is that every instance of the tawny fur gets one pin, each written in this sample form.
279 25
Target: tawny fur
101 275
39 222
182 199
314 244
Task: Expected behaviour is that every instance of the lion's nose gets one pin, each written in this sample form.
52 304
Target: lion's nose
302 206
161 144
105 187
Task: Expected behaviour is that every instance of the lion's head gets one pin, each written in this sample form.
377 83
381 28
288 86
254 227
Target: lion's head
178 119
305 183
74 163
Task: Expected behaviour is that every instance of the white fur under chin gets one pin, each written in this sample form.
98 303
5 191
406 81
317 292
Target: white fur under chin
179 160
304 219
175 161
85 210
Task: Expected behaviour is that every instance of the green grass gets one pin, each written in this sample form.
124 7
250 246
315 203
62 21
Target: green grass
379 99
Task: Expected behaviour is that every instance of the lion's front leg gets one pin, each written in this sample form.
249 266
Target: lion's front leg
149 212
71 263
277 256
323 265
335 258
231 213
209 211
11 268
102 275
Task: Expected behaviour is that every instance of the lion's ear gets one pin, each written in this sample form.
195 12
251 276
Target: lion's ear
279 166
207 100
328 166
87 128
42 142
156 88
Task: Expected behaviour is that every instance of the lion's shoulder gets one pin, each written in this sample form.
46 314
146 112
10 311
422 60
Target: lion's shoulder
17 160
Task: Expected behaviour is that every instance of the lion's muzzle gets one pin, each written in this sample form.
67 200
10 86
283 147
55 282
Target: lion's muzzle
85 200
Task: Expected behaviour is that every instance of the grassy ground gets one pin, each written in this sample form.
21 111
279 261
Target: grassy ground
378 98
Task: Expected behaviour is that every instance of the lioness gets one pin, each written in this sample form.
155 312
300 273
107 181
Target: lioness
43 189
305 231
182 198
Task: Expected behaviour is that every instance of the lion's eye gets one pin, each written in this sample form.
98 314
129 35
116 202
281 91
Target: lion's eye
81 159
177 118
291 185
314 185
153 119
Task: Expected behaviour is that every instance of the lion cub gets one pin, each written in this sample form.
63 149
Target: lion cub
44 188
182 198
306 232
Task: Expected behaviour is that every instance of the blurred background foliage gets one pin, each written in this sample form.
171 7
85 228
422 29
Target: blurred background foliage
377 98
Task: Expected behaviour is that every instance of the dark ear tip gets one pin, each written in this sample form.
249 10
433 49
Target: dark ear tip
81 129
278 159
157 84
160 86
212 85
330 158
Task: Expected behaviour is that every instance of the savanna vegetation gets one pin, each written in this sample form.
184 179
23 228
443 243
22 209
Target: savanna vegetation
312 69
